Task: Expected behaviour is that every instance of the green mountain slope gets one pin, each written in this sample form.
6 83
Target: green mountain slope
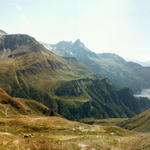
97 98
112 66
24 125
138 123
28 70
24 63
15 106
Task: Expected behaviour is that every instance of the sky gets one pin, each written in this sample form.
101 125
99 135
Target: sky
114 26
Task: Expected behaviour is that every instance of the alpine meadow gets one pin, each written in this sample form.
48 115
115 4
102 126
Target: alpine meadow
74 75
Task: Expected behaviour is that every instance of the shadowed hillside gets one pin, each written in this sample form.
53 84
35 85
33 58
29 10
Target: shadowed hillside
97 98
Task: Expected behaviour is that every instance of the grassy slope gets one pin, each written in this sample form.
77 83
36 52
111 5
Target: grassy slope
30 64
60 134
13 106
57 133
97 98
34 76
138 123
104 122
29 70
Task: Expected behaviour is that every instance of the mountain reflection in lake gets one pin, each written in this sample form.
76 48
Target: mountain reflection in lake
144 93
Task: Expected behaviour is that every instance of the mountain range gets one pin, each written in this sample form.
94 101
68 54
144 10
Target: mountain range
40 90
118 70
143 63
66 86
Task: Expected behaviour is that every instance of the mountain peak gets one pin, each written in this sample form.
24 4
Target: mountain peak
13 41
79 43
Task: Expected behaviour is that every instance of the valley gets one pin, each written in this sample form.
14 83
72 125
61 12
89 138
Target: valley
49 102
71 89
75 75
55 133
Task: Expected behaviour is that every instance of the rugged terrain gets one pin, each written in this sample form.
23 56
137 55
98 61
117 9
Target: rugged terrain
112 66
68 89
17 106
29 70
25 125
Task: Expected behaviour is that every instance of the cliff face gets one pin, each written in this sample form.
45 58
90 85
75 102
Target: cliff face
15 41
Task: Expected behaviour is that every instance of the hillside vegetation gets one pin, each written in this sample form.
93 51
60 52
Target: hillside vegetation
68 89
71 89
138 123
24 125
97 98
55 133
13 106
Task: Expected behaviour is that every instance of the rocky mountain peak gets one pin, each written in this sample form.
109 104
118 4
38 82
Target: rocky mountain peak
79 43
13 41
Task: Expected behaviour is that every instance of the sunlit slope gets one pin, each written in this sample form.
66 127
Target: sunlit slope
25 64
47 133
140 122
13 106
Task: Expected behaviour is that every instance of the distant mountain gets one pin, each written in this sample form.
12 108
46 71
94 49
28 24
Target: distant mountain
144 63
118 70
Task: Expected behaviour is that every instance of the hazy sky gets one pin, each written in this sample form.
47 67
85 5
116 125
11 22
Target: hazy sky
117 26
